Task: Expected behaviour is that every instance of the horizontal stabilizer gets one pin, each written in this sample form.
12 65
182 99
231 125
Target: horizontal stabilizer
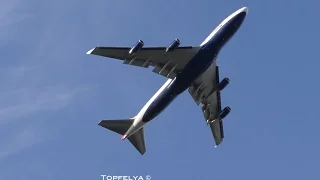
121 127
118 126
137 140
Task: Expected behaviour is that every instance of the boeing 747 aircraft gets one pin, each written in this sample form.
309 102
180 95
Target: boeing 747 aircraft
186 67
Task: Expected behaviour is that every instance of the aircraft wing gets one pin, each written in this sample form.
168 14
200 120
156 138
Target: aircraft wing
167 64
205 91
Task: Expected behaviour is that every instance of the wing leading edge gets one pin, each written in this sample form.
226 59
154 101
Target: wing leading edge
166 63
206 91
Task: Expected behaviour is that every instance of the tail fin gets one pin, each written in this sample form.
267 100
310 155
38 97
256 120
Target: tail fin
121 127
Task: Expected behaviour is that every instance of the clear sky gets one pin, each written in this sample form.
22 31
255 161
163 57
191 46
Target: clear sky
53 94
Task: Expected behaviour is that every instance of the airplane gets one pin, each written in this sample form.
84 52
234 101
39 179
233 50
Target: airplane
186 67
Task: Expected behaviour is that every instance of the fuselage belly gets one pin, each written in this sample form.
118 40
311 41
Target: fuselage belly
196 66
207 54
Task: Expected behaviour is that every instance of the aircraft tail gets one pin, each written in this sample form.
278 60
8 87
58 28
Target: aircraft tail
121 127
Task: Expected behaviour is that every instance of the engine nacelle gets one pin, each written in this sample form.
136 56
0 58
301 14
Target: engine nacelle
223 83
173 45
136 47
225 112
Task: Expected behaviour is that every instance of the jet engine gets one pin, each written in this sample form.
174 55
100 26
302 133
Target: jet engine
136 47
223 84
225 112
173 45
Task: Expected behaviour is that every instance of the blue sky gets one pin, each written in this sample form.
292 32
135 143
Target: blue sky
53 94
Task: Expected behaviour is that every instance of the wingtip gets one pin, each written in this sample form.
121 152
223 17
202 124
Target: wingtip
100 122
123 137
90 51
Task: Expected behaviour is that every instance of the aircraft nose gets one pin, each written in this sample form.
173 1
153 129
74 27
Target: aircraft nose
245 9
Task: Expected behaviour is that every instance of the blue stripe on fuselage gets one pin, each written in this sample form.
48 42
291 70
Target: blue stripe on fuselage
196 66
